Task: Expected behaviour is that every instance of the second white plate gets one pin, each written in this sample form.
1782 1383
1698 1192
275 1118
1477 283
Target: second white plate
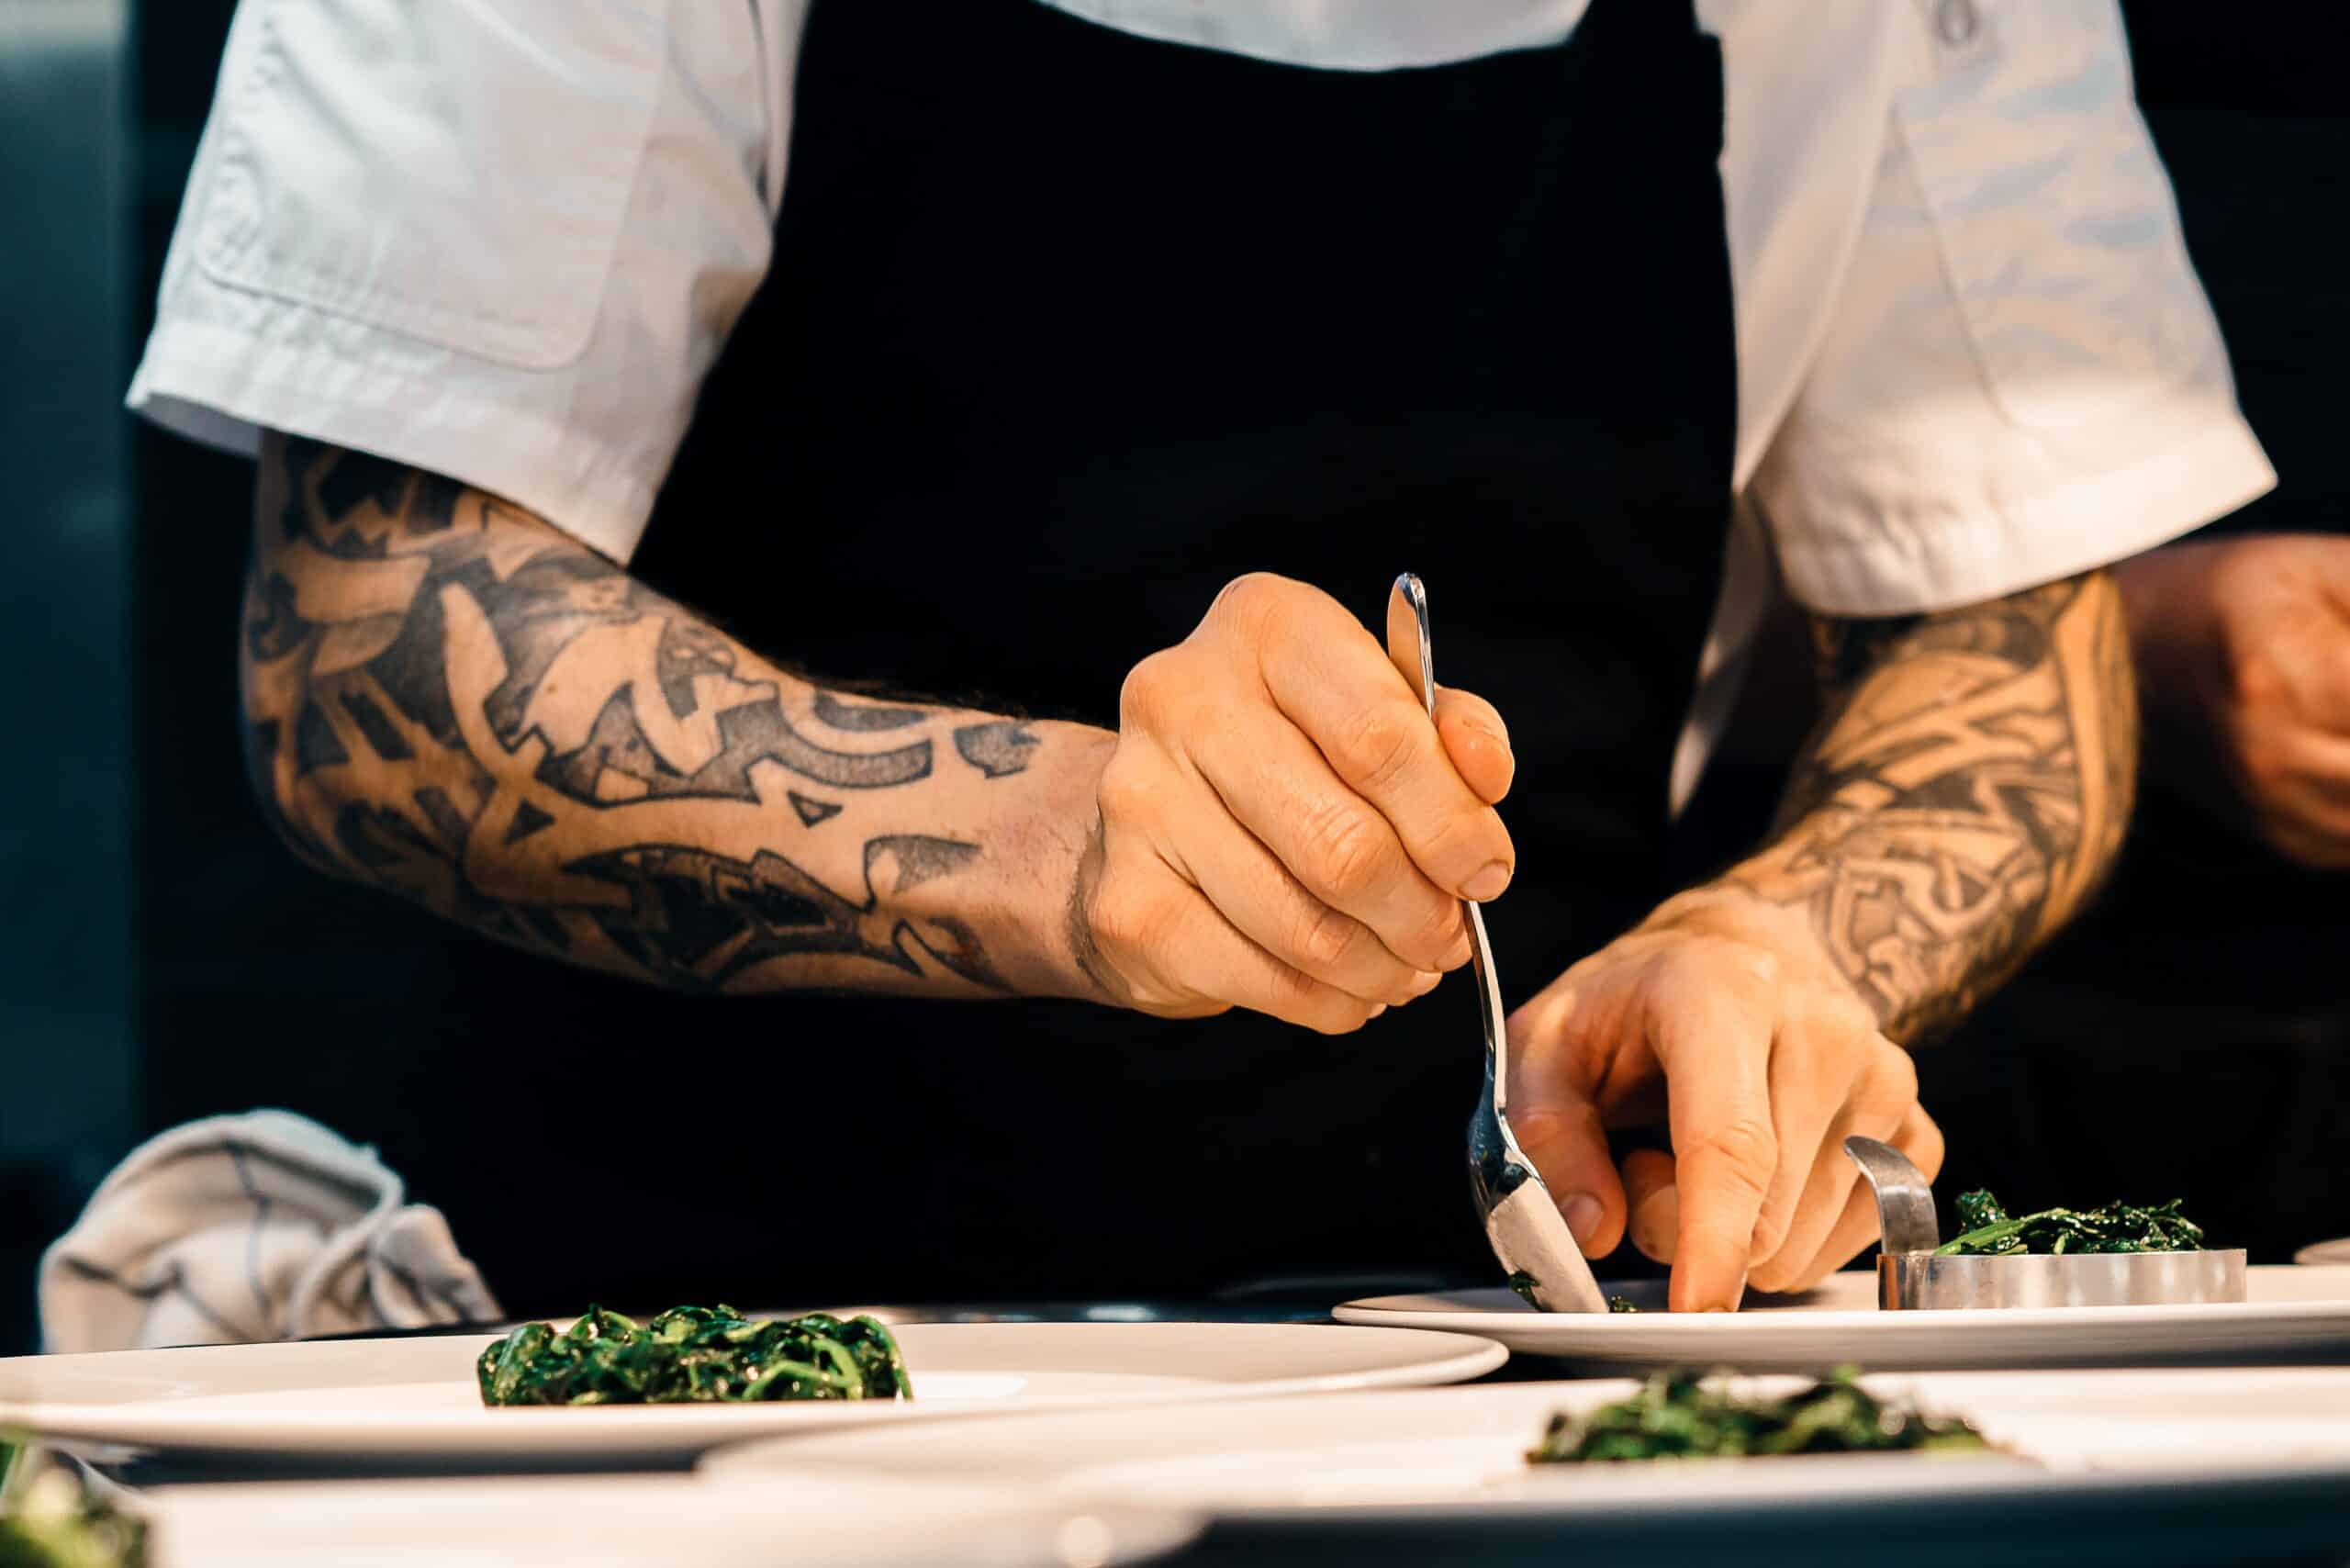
2294 1313
415 1399
639 1521
2261 1449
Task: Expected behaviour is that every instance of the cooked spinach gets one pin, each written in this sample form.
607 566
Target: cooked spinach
1682 1414
693 1353
2117 1227
49 1519
1523 1282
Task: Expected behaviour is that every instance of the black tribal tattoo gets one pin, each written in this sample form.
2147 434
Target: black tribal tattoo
1963 795
451 701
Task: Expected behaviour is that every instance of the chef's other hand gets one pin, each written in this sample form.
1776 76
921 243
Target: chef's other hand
1718 1017
2244 645
1282 828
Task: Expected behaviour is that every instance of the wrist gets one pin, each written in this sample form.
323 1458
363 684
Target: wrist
1730 907
2174 631
1051 855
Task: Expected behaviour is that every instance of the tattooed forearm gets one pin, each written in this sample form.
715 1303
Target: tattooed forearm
1964 793
449 699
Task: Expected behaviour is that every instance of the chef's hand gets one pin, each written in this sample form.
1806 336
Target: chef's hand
1718 1016
2245 648
1282 828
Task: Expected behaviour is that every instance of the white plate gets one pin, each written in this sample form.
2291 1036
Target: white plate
2293 1312
416 1399
641 1522
2127 1448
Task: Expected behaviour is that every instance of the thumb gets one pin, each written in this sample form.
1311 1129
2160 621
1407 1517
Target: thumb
1477 740
1560 1132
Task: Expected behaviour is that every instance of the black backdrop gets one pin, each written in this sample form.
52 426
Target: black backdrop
255 973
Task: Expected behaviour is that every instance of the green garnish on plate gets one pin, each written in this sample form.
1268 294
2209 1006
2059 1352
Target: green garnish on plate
49 1519
694 1354
1682 1415
1523 1283
2117 1227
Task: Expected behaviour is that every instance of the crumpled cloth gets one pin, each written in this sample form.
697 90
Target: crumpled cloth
264 1226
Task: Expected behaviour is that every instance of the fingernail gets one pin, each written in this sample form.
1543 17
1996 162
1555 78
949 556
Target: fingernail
1487 883
1656 1224
1583 1213
1425 981
1376 1009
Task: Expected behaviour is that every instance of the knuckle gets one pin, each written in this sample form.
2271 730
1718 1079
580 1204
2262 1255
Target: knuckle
1141 696
1326 939
1436 930
2257 680
1742 1150
1251 599
1126 919
1347 852
1122 793
1892 1077
1379 743
1303 1000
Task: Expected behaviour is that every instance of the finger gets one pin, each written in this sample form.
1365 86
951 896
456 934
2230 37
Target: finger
1559 1131
1808 1089
1828 1188
1828 1192
1477 740
1181 959
1255 892
1857 1225
1333 680
2304 798
1715 1046
1277 784
1653 1200
1832 1074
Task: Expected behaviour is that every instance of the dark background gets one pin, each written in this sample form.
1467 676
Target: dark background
2192 1037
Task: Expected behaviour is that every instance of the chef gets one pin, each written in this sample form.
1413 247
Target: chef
854 526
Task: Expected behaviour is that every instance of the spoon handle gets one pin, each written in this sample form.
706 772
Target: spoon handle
1410 600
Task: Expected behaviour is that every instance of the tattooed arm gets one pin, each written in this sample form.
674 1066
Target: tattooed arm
448 698
1965 790
1962 798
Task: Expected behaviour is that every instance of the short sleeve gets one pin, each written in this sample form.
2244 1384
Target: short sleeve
500 239
2021 377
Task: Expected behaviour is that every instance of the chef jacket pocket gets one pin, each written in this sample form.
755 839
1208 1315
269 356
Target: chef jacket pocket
2055 223
453 170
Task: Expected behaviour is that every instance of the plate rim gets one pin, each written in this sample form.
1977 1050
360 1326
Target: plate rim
1364 1312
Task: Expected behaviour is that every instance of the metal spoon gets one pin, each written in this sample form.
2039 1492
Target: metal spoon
1528 1232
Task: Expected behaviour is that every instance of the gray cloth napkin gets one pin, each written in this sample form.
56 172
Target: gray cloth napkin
264 1226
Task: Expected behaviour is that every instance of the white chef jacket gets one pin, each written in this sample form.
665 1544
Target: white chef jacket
505 239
